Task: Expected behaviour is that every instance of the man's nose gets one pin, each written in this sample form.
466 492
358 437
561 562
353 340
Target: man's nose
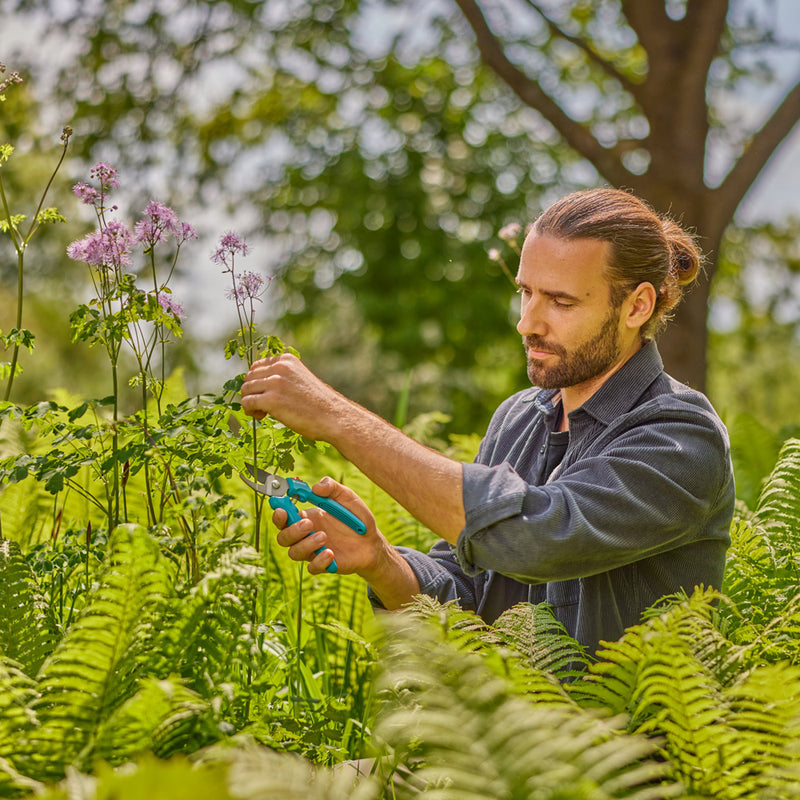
531 322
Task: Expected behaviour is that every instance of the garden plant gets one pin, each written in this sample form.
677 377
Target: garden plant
153 644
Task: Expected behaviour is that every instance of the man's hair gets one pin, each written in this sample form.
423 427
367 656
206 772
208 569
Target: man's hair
644 246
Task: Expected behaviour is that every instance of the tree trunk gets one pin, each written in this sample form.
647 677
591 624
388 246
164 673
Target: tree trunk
683 342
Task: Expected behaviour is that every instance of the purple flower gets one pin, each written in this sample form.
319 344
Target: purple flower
170 305
249 286
186 232
109 247
229 245
13 78
87 194
105 175
159 223
509 233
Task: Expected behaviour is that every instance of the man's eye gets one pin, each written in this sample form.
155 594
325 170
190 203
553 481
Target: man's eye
562 303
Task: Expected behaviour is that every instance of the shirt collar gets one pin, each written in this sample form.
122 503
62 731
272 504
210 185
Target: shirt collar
622 390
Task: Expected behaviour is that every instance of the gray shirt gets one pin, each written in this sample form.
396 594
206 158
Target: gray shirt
638 506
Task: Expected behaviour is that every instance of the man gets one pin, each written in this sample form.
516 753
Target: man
600 490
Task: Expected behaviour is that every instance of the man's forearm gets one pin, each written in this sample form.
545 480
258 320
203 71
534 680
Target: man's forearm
426 483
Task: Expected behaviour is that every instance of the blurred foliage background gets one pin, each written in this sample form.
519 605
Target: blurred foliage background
370 156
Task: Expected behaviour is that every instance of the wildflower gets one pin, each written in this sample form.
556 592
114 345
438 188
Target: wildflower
105 175
88 195
13 78
249 286
186 232
160 221
66 133
494 254
229 245
510 232
170 305
109 247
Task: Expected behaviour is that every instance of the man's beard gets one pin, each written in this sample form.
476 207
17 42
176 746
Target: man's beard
588 360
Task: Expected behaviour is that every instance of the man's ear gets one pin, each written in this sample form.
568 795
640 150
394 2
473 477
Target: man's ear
640 305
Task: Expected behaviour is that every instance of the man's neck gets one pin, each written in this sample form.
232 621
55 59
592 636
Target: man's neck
573 397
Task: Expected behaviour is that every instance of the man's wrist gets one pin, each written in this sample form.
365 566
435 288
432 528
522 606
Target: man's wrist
391 578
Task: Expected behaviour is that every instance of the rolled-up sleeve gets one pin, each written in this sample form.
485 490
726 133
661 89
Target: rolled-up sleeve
649 489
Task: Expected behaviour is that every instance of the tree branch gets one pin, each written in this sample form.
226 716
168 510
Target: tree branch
531 93
728 195
587 49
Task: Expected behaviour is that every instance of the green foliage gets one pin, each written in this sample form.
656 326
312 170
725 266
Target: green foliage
474 731
27 629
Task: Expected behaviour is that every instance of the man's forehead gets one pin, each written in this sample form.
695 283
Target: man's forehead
564 263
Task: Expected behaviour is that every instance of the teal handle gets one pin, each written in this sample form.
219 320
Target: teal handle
302 491
292 516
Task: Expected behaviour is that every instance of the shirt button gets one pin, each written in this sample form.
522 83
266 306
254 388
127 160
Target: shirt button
543 448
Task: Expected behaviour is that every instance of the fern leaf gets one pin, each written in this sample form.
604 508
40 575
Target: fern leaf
208 639
17 691
163 717
257 773
534 631
681 681
27 630
778 508
765 713
474 736
94 668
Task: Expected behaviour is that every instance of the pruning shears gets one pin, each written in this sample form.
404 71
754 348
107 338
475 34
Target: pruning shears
282 492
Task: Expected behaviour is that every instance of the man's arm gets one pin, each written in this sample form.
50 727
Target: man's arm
424 482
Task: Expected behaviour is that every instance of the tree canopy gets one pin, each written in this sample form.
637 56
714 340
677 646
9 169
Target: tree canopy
379 147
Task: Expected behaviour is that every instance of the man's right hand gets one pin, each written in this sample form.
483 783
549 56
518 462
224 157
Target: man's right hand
369 556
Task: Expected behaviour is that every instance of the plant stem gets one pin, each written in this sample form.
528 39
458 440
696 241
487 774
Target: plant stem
15 355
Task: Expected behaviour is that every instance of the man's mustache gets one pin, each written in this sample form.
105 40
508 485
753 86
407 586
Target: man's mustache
536 343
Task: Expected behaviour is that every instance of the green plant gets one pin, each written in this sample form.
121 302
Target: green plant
11 224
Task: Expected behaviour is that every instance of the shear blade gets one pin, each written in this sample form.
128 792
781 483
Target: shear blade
266 482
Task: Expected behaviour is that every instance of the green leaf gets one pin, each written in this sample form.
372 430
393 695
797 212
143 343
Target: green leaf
94 668
15 221
49 215
27 629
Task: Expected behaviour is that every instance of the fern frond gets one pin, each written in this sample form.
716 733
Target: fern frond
534 631
24 511
468 633
778 508
474 736
94 667
612 681
765 713
681 681
17 691
163 717
778 639
763 584
208 638
27 630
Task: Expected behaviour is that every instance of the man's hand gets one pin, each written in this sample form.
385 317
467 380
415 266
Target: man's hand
370 556
285 388
426 483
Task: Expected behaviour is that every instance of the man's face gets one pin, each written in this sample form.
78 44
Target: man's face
570 330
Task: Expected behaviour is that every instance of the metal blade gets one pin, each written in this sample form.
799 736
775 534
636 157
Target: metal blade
267 483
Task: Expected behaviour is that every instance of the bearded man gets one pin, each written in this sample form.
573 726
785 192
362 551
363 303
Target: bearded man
601 489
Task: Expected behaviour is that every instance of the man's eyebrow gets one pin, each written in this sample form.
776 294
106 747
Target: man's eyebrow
558 293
